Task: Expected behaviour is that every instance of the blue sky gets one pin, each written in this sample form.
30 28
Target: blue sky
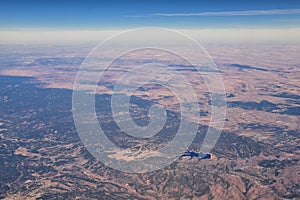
113 14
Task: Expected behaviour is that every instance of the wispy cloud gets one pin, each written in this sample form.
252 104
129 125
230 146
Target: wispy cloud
233 13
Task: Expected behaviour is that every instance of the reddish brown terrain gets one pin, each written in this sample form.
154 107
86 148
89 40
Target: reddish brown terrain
256 157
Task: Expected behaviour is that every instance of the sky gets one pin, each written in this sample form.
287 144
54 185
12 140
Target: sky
44 15
114 14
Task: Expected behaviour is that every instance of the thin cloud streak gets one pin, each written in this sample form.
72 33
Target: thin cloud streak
233 13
